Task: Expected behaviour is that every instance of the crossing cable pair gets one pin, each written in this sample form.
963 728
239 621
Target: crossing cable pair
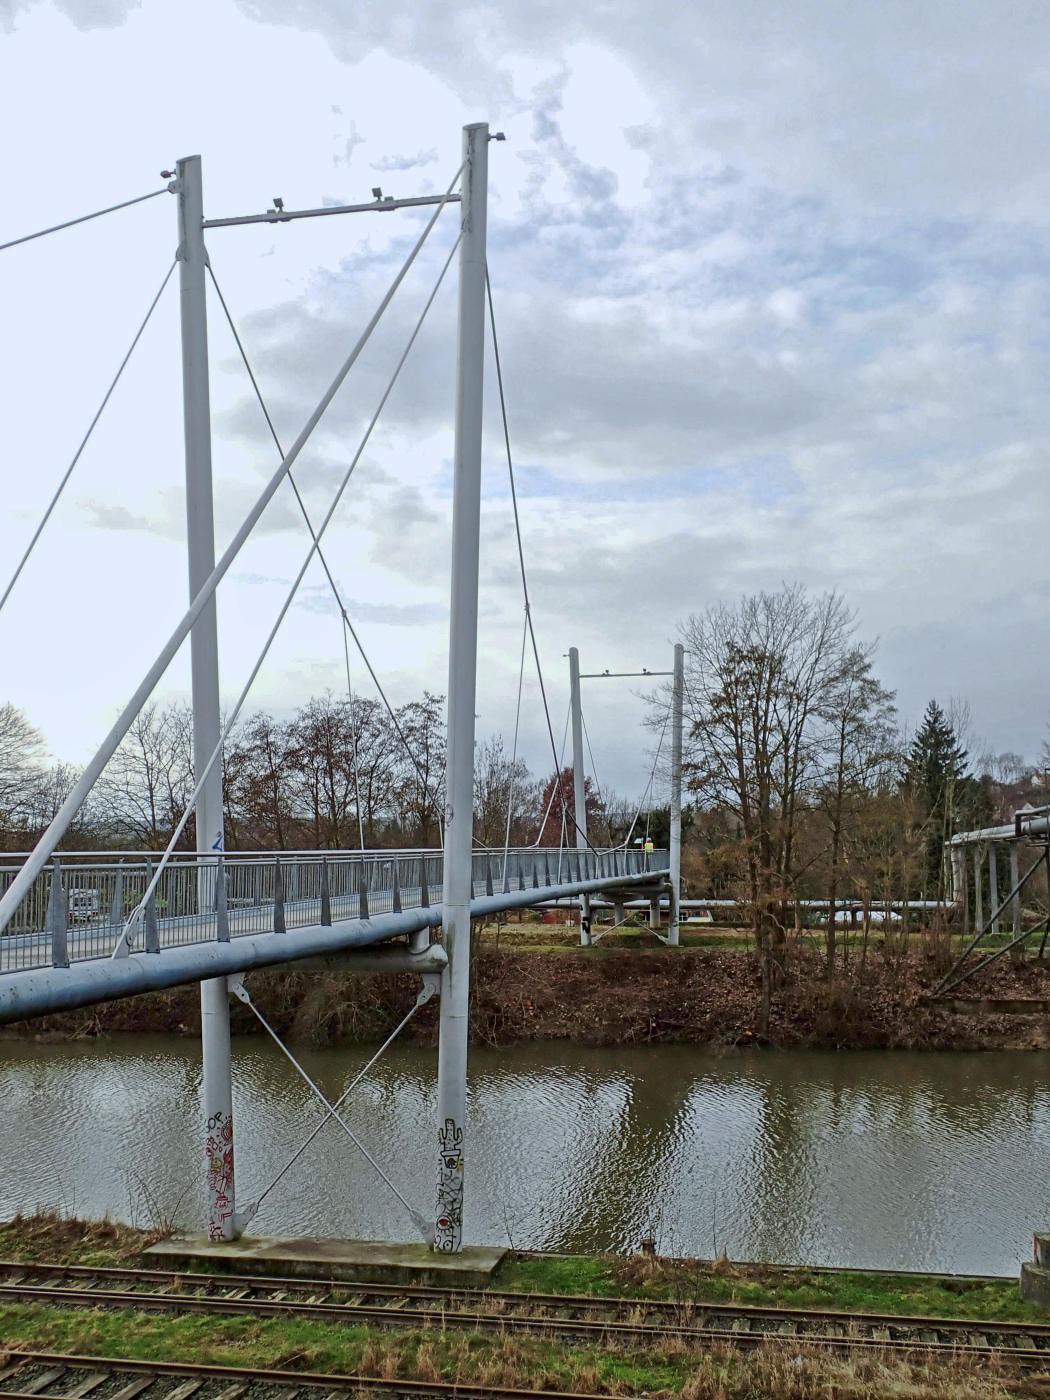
647 794
347 625
529 626
45 846
42 233
92 425
240 991
315 540
84 218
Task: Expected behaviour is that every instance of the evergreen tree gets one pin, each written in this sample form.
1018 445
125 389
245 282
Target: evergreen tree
936 774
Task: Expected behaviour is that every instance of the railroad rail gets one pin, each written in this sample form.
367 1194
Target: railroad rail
633 1321
36 1375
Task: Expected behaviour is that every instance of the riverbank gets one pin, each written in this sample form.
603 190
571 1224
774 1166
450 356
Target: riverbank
52 1238
665 1369
623 995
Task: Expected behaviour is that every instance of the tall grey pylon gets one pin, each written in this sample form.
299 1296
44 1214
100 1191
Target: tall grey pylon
217 1087
462 685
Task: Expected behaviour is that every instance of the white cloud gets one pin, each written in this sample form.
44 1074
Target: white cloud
771 287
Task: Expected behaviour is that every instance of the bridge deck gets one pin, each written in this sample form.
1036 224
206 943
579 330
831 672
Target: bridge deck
212 918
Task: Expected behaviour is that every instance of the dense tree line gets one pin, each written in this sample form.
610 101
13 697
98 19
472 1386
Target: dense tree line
803 784
799 781
336 775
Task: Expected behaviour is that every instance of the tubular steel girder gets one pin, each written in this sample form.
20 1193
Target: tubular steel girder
44 988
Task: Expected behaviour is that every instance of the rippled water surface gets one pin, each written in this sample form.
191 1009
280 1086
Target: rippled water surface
923 1161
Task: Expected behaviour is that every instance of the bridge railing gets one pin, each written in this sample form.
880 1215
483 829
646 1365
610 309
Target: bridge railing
78 906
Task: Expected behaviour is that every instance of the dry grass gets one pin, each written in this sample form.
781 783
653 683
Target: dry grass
783 1373
53 1238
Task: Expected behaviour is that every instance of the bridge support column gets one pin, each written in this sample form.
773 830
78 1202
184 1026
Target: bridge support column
677 703
1017 953
619 913
654 912
216 1087
978 890
462 685
579 785
957 872
993 885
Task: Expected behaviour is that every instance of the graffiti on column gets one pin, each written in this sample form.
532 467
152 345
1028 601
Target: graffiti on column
449 1224
219 1150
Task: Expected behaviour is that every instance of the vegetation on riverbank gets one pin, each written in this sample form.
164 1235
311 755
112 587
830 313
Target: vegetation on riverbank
615 996
770 1285
49 1237
671 1369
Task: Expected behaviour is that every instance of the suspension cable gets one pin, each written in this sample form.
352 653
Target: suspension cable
594 766
56 828
652 778
84 441
137 912
521 548
514 751
83 218
353 739
557 779
347 625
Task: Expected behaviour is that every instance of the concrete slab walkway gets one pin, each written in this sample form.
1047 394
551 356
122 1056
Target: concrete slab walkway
364 1261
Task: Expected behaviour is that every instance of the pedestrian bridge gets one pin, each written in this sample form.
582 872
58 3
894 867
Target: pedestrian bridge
82 928
90 930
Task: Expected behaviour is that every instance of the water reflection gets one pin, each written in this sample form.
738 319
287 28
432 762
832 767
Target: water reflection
892 1160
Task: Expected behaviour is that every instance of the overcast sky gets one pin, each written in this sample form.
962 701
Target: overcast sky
772 290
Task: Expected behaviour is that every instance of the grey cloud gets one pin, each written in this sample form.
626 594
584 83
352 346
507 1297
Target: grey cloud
113 517
85 14
406 162
347 145
318 598
922 106
260 580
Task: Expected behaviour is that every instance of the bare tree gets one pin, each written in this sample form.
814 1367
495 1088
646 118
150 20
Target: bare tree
502 788
258 784
420 783
758 675
861 746
21 756
146 785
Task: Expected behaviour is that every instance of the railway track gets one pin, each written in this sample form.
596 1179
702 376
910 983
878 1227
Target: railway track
633 1321
28 1375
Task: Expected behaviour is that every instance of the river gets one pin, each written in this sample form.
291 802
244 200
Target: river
893 1160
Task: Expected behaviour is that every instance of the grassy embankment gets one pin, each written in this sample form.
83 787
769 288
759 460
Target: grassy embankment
674 1369
532 982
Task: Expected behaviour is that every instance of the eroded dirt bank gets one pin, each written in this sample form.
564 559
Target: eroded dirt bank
699 996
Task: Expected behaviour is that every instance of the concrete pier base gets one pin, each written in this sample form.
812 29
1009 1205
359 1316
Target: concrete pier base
1035 1277
364 1261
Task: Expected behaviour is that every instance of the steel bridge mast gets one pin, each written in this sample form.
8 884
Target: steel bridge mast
462 687
217 1087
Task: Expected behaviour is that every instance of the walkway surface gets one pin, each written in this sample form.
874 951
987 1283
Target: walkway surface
364 1261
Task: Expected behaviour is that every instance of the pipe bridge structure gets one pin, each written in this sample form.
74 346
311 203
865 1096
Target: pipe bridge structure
1013 856
81 927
